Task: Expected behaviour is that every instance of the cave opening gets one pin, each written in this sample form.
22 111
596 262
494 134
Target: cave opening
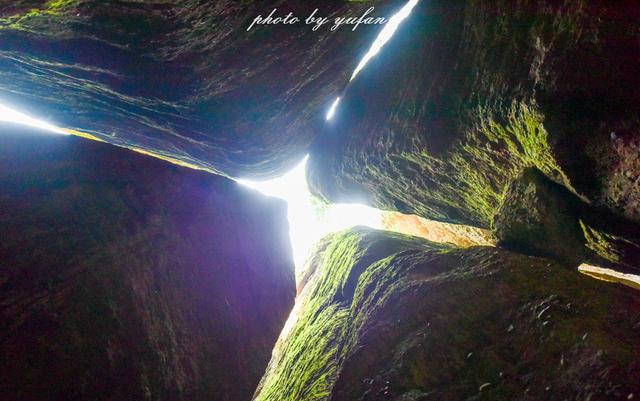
126 277
310 219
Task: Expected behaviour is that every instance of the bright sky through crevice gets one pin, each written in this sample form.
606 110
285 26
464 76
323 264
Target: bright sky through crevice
332 109
13 116
308 221
383 37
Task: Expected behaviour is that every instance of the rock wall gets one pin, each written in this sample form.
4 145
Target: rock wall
183 79
436 231
390 317
541 218
467 94
123 277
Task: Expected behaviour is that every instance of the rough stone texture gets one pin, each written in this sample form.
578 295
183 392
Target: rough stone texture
539 217
436 231
183 79
612 242
622 185
123 277
390 317
469 93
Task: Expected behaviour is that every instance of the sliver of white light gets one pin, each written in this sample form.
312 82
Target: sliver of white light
14 116
332 109
385 35
308 224
601 273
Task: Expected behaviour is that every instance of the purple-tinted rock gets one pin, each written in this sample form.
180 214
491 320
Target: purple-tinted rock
123 277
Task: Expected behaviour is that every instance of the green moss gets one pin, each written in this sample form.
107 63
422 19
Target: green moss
60 5
524 136
46 20
386 315
601 243
470 180
451 138
499 151
307 359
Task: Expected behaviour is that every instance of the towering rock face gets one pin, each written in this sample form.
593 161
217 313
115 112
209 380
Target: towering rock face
123 277
390 317
467 94
183 79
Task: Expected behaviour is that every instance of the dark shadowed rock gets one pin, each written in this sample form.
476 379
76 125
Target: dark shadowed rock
123 277
469 93
183 79
539 217
389 317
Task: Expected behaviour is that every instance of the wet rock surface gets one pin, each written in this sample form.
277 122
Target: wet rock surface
390 317
183 79
468 94
123 277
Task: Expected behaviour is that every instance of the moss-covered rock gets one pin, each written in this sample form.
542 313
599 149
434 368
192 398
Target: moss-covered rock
611 241
389 317
469 93
182 79
123 277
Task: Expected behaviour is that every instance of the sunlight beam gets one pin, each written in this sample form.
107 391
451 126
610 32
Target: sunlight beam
13 116
385 35
332 109
310 221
